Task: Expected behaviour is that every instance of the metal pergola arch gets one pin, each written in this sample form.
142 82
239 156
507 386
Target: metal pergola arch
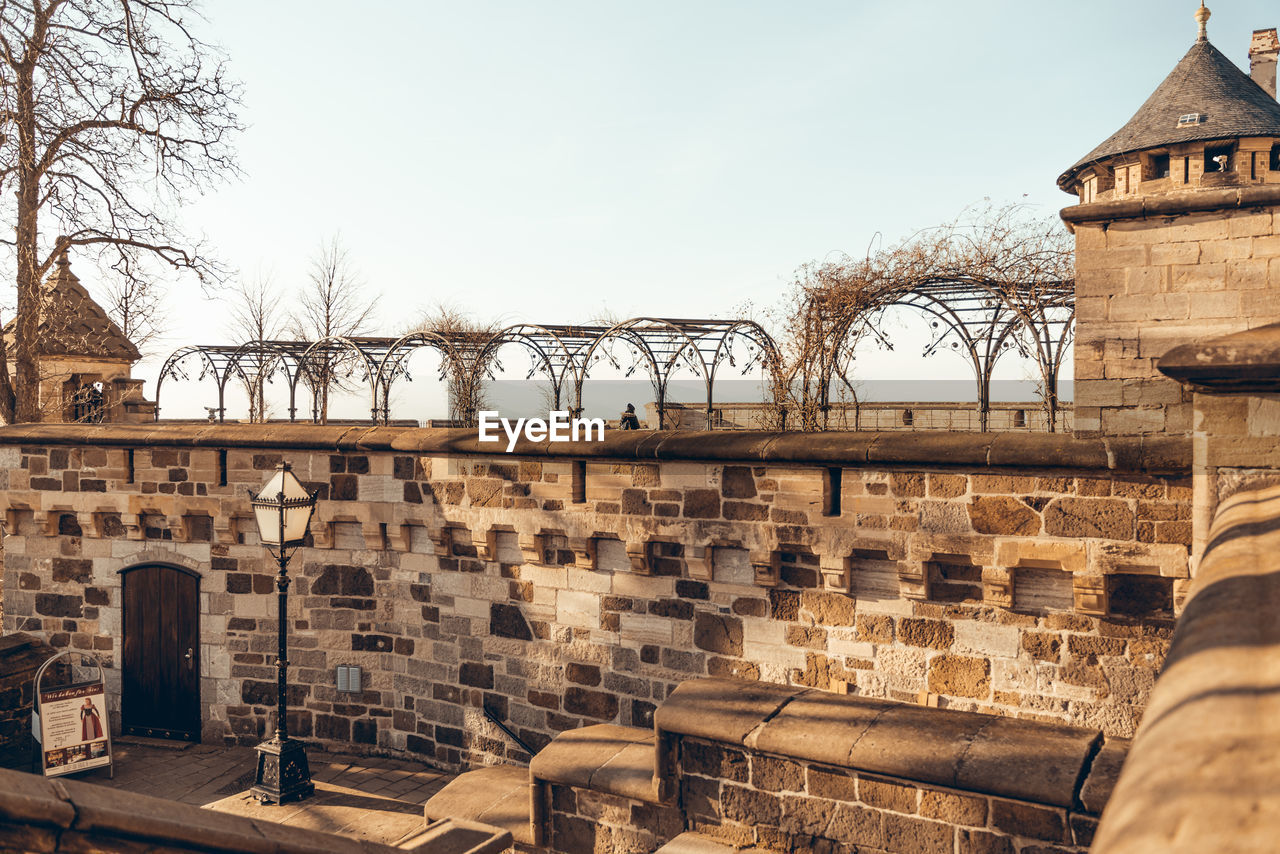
558 351
983 318
562 352
662 344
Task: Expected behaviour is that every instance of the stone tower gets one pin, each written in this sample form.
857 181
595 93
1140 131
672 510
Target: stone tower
1177 236
85 360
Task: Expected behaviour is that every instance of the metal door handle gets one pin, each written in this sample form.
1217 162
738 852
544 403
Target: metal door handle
188 657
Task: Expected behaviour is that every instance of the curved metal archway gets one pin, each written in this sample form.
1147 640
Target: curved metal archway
563 353
214 360
983 320
664 344
394 364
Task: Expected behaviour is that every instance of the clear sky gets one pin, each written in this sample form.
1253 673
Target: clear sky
545 161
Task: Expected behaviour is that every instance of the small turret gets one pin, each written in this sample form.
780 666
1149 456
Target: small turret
1207 125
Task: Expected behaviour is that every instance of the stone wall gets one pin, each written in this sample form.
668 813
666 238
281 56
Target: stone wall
1028 576
1156 273
20 656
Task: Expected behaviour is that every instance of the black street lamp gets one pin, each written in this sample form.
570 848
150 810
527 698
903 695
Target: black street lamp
283 510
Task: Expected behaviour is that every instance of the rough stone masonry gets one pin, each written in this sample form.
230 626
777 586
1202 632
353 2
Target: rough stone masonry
1036 576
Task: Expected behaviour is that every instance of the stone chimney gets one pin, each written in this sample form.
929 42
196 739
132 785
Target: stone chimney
1263 51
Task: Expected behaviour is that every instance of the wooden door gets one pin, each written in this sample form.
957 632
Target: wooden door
160 669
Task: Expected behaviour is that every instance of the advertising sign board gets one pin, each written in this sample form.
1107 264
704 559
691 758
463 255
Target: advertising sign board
70 724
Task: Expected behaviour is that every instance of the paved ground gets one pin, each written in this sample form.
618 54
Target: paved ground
361 797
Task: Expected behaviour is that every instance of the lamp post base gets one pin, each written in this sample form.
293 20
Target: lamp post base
283 774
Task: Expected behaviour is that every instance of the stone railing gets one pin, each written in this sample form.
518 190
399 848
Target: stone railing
878 416
1202 772
38 815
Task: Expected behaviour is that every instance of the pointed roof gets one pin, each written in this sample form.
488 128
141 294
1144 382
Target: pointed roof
1204 82
72 323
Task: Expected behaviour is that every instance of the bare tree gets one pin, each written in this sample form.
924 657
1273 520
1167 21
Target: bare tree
111 112
820 323
137 307
255 318
470 363
334 305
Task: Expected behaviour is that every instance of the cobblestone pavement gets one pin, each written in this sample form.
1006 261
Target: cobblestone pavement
358 796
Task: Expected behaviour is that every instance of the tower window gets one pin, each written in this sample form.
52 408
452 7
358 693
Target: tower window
1218 158
1160 166
1190 119
1274 165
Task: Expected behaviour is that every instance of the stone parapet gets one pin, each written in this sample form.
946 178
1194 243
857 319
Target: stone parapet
789 769
1154 455
1024 760
731 765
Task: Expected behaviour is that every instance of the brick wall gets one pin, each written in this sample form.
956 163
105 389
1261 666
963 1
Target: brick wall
462 583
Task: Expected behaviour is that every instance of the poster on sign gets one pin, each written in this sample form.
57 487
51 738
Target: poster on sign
73 729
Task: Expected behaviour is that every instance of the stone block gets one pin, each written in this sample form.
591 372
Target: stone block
960 676
1090 595
720 709
611 759
1089 517
1096 789
766 568
718 633
997 587
837 572
1029 820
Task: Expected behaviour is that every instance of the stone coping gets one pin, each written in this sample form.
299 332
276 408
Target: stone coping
499 795
1242 362
616 760
1173 204
1020 759
42 814
1202 772
1155 455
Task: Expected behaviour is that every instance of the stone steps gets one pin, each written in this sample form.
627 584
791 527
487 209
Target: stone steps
458 836
498 796
696 843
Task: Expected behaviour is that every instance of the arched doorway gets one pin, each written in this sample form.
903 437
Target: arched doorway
160 664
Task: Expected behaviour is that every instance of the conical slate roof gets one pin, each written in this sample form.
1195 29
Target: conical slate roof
72 324
1204 82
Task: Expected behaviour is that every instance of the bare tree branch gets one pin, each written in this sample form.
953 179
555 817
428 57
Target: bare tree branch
112 113
334 304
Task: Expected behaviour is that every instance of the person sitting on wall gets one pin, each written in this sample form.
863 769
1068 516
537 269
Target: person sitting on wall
629 421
